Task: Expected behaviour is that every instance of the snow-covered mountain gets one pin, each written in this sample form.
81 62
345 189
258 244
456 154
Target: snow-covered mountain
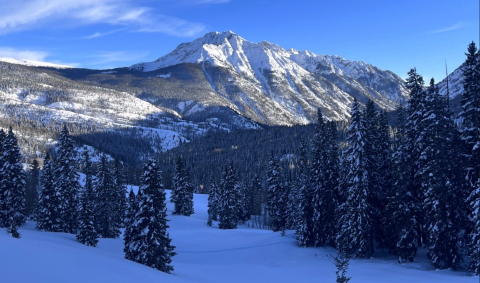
271 85
33 63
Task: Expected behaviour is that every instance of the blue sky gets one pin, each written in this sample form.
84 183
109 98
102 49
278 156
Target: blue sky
393 35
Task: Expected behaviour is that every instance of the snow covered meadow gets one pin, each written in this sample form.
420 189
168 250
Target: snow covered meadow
205 254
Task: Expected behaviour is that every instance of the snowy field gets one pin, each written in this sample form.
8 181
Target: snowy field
205 254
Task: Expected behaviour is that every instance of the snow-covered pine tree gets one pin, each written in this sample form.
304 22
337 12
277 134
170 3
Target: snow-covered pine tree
66 181
324 182
474 248
31 189
354 221
228 201
292 206
131 230
49 218
243 202
304 221
12 185
120 186
318 191
469 116
182 190
86 233
444 204
377 155
107 220
213 203
470 130
400 224
153 243
257 195
277 195
413 145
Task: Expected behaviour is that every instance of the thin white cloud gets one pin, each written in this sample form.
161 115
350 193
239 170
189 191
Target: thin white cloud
22 54
450 28
23 14
211 1
101 34
33 55
117 56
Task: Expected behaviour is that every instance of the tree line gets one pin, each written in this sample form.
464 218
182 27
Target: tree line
400 189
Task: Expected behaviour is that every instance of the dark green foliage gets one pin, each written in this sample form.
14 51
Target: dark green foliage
49 218
131 230
213 203
277 195
355 222
182 191
341 263
304 221
31 189
151 244
86 233
66 181
107 217
12 185
470 131
228 199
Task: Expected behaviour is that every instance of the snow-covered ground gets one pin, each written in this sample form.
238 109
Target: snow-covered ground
205 254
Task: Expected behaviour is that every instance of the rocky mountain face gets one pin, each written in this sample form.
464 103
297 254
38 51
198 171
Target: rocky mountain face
269 84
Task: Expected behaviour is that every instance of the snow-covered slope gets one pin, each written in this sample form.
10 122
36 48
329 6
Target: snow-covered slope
33 63
276 86
39 102
205 255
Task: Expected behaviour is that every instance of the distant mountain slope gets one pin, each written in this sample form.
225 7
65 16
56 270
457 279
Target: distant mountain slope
275 86
32 63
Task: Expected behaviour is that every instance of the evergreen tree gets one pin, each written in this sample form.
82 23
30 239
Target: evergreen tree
354 222
277 195
107 218
257 196
304 221
121 192
182 191
130 225
474 250
12 185
470 114
86 233
292 206
444 194
470 131
243 202
66 181
413 145
213 203
152 245
49 218
228 199
31 190
341 263
401 223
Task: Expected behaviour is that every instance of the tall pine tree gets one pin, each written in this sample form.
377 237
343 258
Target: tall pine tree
182 190
228 199
152 244
66 181
354 222
12 185
277 195
86 233
49 218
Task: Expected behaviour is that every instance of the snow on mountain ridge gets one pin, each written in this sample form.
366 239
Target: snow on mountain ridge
33 63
